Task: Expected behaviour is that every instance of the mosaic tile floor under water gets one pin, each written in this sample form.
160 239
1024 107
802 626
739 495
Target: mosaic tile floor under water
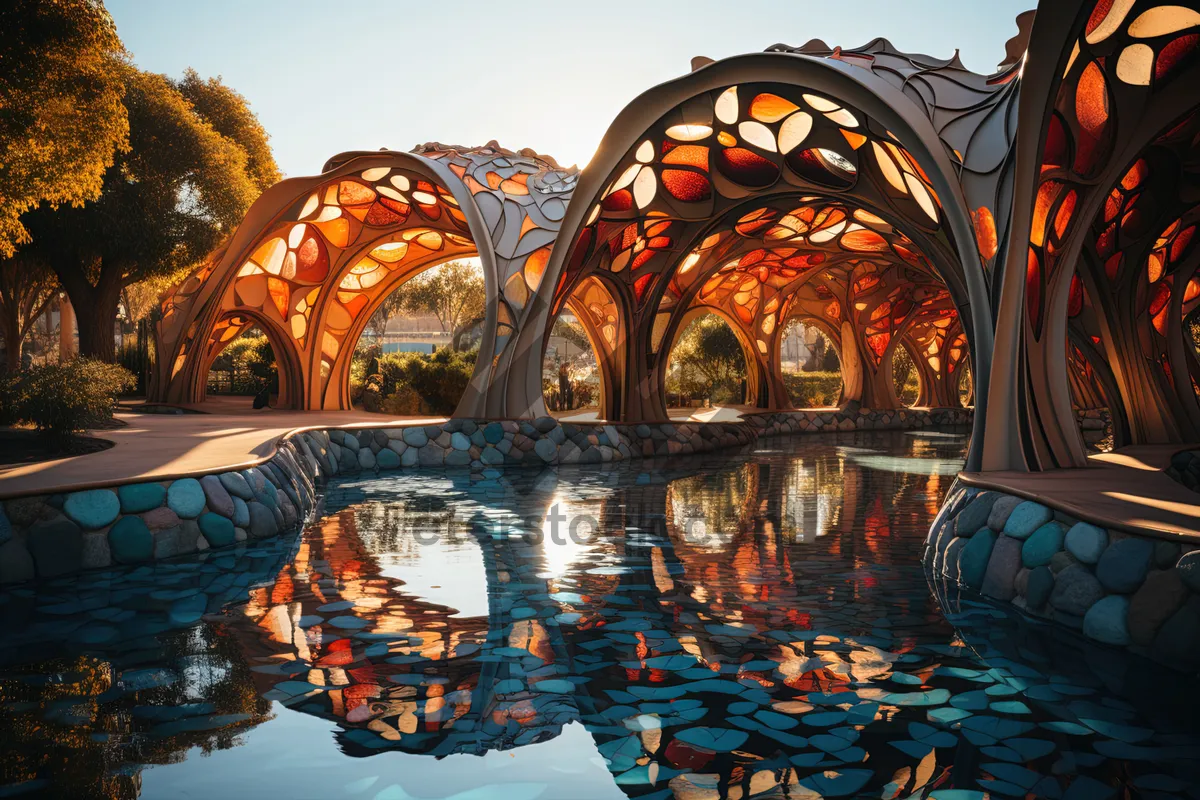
756 626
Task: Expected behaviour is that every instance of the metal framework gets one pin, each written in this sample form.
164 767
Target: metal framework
1037 222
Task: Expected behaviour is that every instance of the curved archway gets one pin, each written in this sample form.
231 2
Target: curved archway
628 221
1080 178
309 257
228 328
599 307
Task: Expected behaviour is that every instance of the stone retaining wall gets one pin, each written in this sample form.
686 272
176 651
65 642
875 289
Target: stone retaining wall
1116 588
54 535
814 421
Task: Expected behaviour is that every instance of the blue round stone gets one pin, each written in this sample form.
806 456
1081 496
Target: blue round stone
130 541
1041 545
139 497
217 530
186 498
92 509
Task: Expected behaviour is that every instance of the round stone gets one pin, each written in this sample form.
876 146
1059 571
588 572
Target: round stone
1124 564
460 441
545 424
366 459
1075 590
217 495
546 449
56 546
186 498
1086 542
1001 510
241 516
1188 567
6 530
1042 544
138 497
1038 588
236 485
93 508
973 560
387 459
1106 620
130 541
493 432
999 581
415 437
976 514
1027 518
1161 595
218 530
262 521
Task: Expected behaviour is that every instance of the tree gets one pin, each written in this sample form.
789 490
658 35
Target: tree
709 358
229 113
62 121
165 203
26 290
453 293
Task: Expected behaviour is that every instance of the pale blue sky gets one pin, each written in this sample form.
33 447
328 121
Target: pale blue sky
331 76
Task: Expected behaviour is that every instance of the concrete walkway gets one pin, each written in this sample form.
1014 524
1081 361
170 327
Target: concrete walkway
1126 490
227 434
165 446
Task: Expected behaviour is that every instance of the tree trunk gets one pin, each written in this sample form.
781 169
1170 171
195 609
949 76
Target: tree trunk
96 316
12 342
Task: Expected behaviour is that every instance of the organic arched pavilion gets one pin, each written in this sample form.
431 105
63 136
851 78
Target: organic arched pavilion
1037 222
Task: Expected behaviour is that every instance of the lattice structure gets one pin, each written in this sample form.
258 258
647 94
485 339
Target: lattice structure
1038 222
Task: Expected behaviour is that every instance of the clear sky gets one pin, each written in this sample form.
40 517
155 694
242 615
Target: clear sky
330 76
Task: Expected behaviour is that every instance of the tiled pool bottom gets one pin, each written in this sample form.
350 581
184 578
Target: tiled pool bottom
756 625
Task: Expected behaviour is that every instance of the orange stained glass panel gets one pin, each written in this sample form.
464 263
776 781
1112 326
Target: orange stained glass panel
1135 176
768 107
985 233
1091 100
1063 218
1174 54
1180 246
641 285
865 241
855 140
280 295
535 267
688 155
747 168
1047 194
688 187
337 231
353 193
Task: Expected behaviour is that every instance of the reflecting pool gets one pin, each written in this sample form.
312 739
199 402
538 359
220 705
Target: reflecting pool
751 626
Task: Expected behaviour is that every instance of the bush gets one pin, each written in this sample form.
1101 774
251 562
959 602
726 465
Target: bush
439 379
814 389
62 399
245 366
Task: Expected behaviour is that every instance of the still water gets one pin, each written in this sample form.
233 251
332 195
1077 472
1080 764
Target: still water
751 626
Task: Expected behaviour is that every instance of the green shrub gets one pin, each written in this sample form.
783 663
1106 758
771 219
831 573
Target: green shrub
62 399
814 389
439 379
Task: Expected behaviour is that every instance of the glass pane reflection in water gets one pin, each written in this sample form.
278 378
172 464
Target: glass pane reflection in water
756 626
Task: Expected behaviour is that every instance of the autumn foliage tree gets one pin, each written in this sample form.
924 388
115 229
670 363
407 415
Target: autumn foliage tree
62 120
181 186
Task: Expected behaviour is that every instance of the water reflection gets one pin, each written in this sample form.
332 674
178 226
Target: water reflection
753 627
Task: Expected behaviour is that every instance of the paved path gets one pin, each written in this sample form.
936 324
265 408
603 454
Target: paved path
1126 490
229 435
162 446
